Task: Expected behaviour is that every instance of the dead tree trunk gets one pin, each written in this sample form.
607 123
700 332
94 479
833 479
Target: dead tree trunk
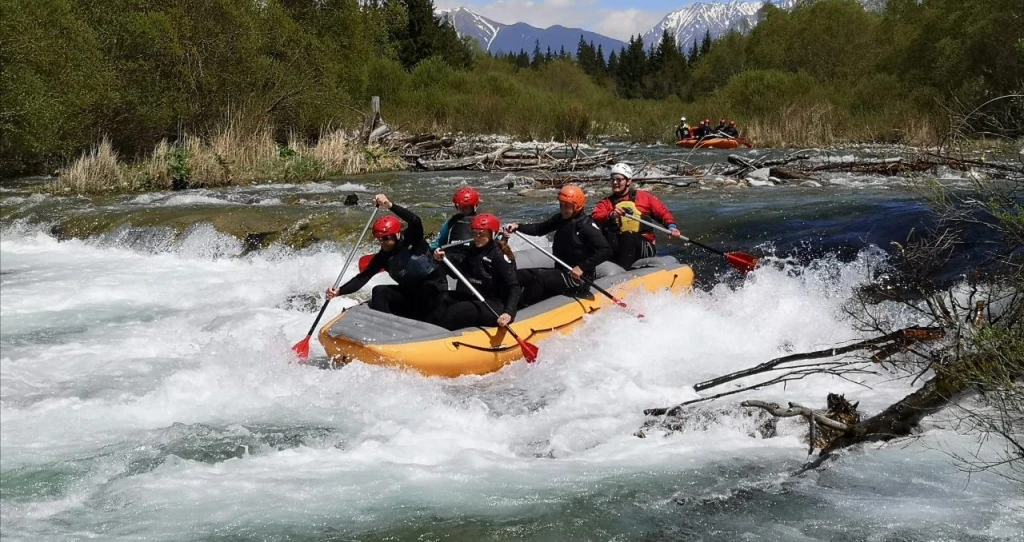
462 163
374 127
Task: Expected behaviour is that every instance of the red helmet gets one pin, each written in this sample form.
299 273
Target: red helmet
575 196
485 221
385 226
466 197
732 123
707 121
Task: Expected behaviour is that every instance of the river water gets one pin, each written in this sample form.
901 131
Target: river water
148 391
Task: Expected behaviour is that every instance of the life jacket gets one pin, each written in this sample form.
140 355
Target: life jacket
479 266
627 202
626 225
567 244
458 230
409 268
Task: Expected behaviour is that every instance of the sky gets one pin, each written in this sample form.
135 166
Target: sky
618 19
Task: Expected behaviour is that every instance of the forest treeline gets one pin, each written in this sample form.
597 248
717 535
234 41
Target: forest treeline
144 71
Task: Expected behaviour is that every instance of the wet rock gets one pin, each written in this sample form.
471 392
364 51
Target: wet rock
351 199
761 174
301 301
811 184
755 423
255 241
758 182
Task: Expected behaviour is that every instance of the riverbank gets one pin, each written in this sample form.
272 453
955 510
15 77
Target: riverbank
230 156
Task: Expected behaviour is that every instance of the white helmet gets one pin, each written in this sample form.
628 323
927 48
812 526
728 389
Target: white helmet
682 119
623 169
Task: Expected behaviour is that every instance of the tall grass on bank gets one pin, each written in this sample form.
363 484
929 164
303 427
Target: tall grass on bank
232 155
559 101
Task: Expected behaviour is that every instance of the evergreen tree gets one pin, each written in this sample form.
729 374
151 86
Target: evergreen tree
694 52
426 35
705 45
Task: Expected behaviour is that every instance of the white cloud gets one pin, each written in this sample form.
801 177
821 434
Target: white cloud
626 23
585 14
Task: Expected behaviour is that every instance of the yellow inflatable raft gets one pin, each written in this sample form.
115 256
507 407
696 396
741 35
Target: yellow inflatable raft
384 339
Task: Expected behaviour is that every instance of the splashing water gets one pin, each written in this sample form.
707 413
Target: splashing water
153 394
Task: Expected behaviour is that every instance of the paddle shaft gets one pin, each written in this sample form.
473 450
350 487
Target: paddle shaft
348 261
668 231
569 268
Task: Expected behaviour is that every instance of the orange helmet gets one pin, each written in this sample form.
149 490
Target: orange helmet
385 226
574 195
485 221
466 197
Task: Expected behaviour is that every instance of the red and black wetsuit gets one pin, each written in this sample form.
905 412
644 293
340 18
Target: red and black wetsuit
629 246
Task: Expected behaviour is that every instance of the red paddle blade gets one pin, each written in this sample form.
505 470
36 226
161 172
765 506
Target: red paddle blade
301 348
623 304
530 351
364 262
744 263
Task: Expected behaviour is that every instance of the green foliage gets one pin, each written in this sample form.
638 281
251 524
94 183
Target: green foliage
177 166
54 87
140 72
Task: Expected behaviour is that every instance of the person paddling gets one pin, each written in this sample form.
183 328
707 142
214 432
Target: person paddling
457 228
407 259
578 242
489 266
630 240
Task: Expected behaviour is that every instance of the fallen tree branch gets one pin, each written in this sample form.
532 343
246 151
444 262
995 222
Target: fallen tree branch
796 410
902 337
839 369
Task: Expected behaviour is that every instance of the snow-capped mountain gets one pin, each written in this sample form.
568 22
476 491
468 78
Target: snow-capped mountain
690 23
512 38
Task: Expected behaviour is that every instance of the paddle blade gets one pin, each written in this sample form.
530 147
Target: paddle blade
301 348
364 262
530 351
744 263
623 304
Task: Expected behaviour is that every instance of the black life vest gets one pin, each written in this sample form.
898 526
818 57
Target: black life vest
458 230
407 267
479 265
567 244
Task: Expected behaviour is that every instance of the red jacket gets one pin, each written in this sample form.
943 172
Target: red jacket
646 203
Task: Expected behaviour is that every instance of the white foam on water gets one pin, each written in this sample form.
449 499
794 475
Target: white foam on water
120 358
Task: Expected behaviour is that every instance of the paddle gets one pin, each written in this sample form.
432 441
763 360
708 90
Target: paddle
301 348
589 282
530 351
744 263
364 261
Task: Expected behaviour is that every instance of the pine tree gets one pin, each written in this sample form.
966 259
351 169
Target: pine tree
705 45
538 56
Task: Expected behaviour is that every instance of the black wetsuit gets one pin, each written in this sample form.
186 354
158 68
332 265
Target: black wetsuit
421 283
493 274
578 242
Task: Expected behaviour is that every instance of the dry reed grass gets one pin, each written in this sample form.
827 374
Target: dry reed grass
236 153
98 170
